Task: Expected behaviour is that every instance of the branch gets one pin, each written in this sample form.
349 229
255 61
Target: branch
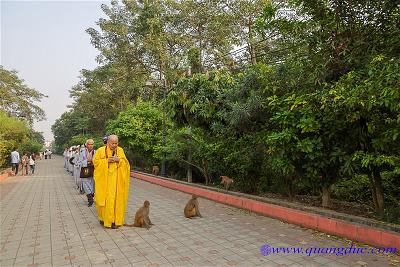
194 165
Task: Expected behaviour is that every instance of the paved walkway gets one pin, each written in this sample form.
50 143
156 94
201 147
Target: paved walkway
45 222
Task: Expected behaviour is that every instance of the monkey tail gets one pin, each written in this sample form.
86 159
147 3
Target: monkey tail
129 225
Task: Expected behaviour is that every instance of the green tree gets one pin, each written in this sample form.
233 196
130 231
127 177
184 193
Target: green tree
12 132
17 134
17 99
369 97
71 123
244 14
139 129
206 26
314 48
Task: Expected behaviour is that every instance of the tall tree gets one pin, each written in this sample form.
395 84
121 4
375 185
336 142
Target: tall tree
17 99
335 40
70 124
245 14
207 26
17 134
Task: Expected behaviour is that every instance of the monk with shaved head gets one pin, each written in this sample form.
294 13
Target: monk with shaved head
111 177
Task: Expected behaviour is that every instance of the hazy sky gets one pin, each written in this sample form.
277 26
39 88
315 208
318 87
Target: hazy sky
46 42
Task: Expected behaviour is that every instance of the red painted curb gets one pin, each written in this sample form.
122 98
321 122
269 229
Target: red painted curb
368 235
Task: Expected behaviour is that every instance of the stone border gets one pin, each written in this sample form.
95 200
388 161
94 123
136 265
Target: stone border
357 228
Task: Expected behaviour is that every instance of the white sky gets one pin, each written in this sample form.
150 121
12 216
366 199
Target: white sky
46 42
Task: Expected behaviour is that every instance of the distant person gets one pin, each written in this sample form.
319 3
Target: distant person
65 154
74 160
45 154
15 161
24 163
32 164
111 180
70 155
49 154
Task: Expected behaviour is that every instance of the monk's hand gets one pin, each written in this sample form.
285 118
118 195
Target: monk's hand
113 159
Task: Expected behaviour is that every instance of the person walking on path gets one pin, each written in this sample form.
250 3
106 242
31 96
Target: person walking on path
76 168
15 161
111 180
32 160
86 161
70 155
65 154
24 163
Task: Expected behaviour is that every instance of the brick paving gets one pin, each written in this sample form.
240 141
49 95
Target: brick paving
45 222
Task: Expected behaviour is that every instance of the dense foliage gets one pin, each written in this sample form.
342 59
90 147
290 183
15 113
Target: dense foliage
307 105
139 130
17 99
18 111
17 134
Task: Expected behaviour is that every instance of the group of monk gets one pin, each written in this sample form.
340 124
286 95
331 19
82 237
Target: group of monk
103 175
111 175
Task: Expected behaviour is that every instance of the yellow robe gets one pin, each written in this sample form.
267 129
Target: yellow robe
111 186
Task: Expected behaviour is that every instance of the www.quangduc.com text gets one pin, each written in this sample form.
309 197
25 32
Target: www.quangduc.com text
338 251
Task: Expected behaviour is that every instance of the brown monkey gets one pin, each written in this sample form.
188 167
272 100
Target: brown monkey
192 208
156 170
142 217
226 181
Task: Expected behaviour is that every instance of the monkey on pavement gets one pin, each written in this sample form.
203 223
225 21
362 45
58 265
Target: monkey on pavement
192 208
142 217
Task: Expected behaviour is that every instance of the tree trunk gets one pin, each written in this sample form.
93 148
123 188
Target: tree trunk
251 43
289 185
253 55
378 188
189 167
164 131
205 167
373 191
189 159
326 196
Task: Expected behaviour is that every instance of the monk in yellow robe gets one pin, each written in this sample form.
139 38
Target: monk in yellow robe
111 177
